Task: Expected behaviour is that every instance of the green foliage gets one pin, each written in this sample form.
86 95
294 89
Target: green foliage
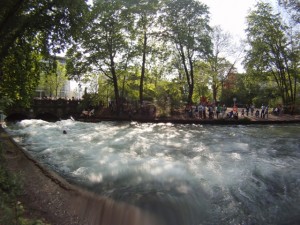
56 22
167 97
31 29
54 80
106 42
187 28
202 81
129 84
140 46
264 31
5 103
146 17
293 7
89 101
105 91
124 44
272 56
76 65
20 73
237 89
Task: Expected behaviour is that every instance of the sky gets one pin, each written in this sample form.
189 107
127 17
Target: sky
230 15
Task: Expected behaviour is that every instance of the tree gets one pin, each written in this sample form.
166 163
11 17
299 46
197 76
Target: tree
20 73
55 21
31 29
202 78
186 23
271 55
146 15
104 42
54 80
293 6
219 65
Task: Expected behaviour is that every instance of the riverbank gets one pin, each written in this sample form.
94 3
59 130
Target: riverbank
183 119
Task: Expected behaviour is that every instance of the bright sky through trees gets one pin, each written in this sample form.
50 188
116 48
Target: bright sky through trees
230 15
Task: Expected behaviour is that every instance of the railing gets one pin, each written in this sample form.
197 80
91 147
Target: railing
55 103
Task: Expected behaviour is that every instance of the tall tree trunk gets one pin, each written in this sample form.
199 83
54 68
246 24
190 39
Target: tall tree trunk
115 82
189 74
143 67
56 86
214 69
214 89
191 85
294 97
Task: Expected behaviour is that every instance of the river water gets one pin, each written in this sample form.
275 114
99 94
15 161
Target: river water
183 174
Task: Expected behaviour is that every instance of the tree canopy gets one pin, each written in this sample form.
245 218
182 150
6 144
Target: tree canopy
293 7
187 28
30 30
137 50
272 55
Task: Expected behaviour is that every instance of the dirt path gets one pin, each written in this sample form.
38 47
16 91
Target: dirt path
48 196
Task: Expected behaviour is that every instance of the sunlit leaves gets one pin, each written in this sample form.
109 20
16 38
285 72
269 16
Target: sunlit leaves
31 29
53 82
20 73
186 24
271 53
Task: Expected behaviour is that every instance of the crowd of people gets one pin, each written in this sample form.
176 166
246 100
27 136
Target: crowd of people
205 110
220 111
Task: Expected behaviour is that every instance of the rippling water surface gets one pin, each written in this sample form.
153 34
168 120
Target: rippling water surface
184 174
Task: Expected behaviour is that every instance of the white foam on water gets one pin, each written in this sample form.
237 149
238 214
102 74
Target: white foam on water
235 168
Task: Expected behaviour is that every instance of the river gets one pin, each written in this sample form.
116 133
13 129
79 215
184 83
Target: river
183 174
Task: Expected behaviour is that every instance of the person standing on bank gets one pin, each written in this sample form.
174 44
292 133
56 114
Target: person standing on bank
266 112
262 114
